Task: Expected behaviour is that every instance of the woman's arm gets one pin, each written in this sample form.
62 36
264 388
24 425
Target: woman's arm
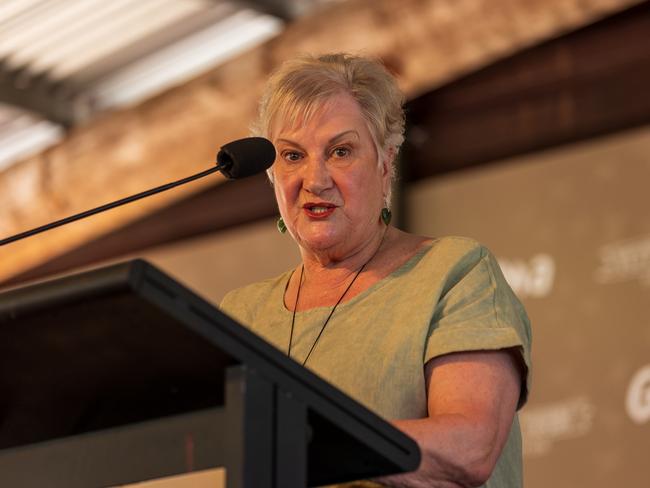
472 399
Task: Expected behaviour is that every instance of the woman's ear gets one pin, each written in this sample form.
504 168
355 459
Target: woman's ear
389 159
387 168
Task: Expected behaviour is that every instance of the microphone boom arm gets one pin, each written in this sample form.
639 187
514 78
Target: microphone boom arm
109 206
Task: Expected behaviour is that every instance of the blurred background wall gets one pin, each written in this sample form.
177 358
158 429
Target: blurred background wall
528 129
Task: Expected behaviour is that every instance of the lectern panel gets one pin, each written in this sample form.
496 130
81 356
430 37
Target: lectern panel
101 362
89 355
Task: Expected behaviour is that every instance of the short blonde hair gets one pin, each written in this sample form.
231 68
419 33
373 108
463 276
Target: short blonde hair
303 85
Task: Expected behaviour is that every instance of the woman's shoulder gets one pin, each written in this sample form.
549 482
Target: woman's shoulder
457 244
454 250
410 251
258 292
450 243
451 258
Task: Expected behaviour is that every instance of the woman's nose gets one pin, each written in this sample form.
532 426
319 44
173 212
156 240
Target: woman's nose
316 177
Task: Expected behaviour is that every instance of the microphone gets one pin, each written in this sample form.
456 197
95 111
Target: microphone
237 159
245 157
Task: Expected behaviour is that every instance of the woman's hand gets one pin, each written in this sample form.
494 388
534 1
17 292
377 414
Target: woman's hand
472 399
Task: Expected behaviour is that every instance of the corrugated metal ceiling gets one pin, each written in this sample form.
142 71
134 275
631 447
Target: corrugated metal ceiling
62 61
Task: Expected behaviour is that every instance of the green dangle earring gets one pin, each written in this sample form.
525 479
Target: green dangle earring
282 227
386 215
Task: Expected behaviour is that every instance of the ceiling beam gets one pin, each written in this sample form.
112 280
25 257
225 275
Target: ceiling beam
582 85
36 93
287 10
426 42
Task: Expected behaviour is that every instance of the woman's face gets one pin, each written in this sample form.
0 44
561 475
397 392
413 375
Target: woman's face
329 187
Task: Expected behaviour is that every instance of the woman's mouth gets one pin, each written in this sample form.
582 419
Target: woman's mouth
319 210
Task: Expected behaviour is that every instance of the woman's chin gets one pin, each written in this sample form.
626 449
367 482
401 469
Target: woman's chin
320 241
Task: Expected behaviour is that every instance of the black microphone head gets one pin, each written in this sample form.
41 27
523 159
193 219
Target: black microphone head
245 157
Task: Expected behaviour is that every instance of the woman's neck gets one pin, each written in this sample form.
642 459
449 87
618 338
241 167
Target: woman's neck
323 282
328 269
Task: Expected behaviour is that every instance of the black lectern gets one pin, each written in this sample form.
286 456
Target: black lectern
120 374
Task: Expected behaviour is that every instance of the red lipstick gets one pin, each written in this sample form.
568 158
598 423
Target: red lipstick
319 210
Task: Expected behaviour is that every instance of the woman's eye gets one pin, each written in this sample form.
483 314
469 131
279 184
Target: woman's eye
291 155
341 152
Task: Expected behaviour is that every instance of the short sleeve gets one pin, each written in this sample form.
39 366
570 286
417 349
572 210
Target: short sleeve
477 310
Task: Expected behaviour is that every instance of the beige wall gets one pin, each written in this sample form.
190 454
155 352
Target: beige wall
215 264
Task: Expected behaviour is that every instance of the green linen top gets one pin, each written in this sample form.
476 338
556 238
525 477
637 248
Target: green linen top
449 297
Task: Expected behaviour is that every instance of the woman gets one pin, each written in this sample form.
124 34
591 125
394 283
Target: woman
425 332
